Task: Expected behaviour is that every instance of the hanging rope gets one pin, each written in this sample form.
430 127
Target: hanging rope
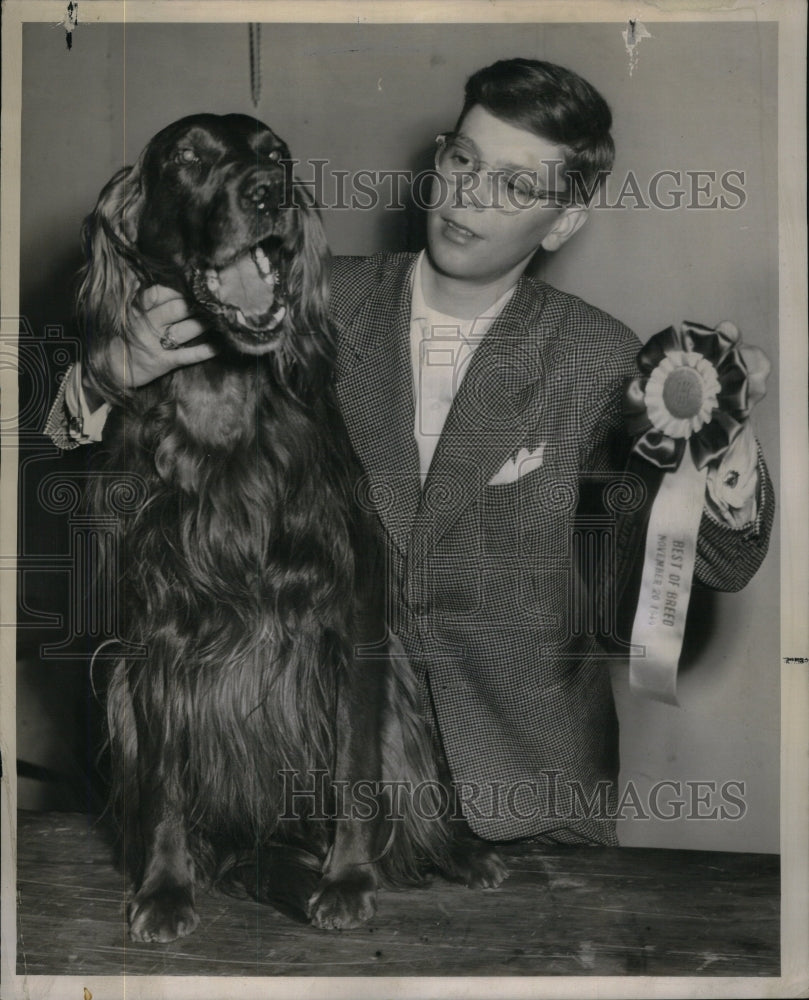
255 63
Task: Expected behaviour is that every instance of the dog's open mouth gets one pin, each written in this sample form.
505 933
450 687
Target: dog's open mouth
246 293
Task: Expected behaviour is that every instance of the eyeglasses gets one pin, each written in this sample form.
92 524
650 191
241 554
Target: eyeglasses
457 156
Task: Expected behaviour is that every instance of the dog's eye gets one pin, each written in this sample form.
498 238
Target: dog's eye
186 155
275 155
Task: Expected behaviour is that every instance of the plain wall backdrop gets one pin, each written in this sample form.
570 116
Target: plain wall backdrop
702 97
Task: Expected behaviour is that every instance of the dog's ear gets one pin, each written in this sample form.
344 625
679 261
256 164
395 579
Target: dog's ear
307 281
110 280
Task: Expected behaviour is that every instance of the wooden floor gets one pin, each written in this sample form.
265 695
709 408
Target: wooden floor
563 911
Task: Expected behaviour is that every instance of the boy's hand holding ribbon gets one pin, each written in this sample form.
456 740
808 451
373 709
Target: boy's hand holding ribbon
689 413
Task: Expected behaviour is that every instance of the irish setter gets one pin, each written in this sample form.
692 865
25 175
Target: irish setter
257 740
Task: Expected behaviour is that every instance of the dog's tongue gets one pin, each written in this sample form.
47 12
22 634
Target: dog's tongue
241 284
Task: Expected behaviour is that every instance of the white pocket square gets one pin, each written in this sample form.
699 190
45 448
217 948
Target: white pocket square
520 465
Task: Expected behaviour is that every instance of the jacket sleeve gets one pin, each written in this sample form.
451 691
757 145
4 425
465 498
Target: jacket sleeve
70 422
57 425
727 558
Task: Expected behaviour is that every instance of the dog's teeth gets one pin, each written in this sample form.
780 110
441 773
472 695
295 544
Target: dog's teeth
277 316
262 261
212 279
240 317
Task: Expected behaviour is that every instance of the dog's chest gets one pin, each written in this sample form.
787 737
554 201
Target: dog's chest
250 503
216 405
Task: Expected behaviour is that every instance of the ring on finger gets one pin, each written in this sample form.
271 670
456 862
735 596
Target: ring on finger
168 343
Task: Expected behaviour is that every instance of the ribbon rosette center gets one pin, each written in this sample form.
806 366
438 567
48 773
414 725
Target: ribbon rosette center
681 394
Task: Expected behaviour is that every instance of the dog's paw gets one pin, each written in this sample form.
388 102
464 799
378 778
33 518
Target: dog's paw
344 901
486 870
162 915
478 866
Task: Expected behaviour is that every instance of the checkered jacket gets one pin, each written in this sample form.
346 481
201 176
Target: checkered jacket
485 581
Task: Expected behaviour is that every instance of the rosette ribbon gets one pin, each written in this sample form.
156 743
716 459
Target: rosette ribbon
691 401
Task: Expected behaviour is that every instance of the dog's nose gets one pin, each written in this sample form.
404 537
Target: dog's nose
260 193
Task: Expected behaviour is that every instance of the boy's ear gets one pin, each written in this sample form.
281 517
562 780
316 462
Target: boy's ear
568 222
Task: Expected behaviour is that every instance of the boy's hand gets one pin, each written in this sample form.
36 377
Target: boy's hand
162 325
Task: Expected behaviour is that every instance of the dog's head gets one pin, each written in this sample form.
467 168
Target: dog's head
210 208
217 204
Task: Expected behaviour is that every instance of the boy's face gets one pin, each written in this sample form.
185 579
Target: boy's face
467 238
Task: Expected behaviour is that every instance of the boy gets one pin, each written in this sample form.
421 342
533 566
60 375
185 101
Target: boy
480 402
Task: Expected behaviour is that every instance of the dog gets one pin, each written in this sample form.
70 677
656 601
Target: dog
257 740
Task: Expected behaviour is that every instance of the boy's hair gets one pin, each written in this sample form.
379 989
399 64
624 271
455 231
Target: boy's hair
555 104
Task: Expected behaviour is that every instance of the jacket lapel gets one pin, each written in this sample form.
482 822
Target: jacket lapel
490 418
375 391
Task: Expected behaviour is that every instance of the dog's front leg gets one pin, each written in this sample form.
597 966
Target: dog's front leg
163 907
346 896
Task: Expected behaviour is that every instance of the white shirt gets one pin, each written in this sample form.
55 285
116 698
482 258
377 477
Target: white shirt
441 348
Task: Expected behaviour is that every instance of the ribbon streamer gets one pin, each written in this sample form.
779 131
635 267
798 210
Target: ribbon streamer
691 401
665 590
